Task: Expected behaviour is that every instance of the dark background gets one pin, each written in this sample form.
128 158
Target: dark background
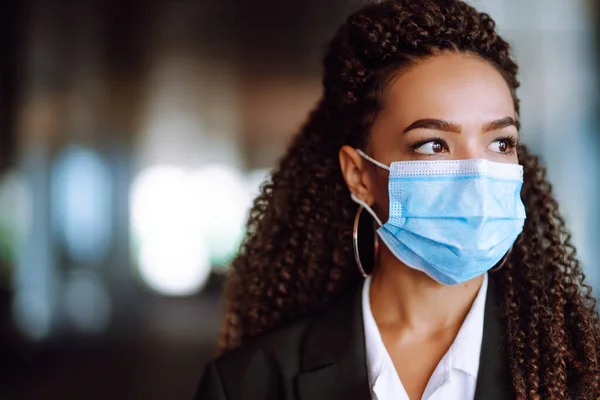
89 77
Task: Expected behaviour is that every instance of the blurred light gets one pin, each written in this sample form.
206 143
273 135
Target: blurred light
174 265
166 221
162 203
32 313
86 301
15 215
34 281
223 199
81 201
226 210
255 179
184 222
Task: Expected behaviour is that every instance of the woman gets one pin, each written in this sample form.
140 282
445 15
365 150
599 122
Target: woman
418 125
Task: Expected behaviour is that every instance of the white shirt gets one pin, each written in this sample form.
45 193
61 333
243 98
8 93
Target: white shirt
455 376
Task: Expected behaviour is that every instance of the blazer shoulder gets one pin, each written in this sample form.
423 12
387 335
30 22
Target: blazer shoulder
280 348
271 365
290 346
263 368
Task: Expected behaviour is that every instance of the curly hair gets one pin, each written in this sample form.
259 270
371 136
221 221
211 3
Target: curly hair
297 256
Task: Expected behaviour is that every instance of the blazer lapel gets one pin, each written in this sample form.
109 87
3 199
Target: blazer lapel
334 358
493 379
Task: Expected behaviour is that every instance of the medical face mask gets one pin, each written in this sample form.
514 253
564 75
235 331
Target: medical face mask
453 220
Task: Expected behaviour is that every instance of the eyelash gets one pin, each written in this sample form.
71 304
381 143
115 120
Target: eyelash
420 143
510 140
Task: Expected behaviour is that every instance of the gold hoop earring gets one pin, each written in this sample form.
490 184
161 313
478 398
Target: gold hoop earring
355 243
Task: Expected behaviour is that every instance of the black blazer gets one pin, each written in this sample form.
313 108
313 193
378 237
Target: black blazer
324 358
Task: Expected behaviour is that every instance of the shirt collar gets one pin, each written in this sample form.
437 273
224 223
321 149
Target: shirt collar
374 344
466 348
464 351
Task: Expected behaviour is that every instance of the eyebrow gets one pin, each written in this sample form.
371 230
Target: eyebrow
441 125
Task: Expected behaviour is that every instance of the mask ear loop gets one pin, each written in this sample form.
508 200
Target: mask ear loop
374 161
503 261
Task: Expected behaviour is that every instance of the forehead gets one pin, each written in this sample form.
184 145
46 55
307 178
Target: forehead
449 86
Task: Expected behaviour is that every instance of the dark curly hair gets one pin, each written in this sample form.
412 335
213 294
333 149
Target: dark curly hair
297 256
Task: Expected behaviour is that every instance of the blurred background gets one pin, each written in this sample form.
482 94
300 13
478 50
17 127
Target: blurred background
134 136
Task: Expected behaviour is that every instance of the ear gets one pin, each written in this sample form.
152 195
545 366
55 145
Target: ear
356 174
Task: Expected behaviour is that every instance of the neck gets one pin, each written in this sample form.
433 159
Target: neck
403 297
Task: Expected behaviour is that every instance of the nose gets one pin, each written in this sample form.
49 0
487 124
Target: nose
468 146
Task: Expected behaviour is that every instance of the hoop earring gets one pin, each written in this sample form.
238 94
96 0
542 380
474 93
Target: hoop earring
355 243
499 267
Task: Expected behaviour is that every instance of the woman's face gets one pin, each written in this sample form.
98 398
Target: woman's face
452 107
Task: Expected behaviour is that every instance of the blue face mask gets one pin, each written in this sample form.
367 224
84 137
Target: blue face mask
453 220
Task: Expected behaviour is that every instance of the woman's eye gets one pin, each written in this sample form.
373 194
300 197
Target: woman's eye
501 146
431 147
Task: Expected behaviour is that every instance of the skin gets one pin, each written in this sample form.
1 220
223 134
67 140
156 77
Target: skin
417 317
